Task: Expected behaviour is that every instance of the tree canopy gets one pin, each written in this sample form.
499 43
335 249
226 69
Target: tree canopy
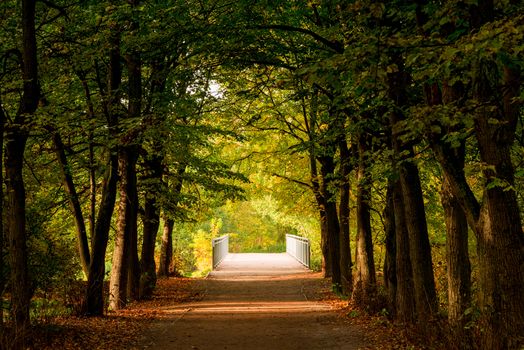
388 133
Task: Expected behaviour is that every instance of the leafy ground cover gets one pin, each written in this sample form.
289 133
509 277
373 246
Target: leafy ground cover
380 331
116 330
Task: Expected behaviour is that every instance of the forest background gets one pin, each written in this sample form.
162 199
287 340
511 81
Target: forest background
390 134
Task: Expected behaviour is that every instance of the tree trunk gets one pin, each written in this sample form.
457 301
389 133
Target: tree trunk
74 203
500 239
457 257
2 263
92 167
405 303
365 279
321 204
93 304
345 250
131 142
133 271
415 217
125 274
327 171
496 222
390 266
166 250
16 139
457 254
420 249
92 190
315 184
118 281
20 286
126 224
151 220
166 256
327 271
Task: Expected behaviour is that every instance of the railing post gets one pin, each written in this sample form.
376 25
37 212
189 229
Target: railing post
220 247
299 248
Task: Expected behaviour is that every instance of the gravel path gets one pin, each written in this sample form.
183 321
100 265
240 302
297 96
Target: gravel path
255 301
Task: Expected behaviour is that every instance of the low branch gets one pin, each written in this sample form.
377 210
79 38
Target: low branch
336 45
301 183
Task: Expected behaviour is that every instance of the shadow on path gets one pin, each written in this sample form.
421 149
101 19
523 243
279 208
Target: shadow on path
255 301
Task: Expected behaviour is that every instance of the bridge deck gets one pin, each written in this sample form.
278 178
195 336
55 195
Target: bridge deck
257 264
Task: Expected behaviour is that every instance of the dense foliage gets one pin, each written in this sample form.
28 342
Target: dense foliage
389 133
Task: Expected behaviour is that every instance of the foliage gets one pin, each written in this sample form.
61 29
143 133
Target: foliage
242 104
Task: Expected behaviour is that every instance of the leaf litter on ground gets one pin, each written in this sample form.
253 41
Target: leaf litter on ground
118 329
122 329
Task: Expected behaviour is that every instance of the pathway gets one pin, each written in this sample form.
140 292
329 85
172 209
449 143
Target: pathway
255 301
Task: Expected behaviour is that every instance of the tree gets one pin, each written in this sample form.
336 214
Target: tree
16 139
364 261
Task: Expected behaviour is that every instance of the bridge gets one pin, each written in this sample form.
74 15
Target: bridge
298 249
257 301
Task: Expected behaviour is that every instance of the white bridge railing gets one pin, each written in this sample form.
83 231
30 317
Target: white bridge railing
299 248
220 249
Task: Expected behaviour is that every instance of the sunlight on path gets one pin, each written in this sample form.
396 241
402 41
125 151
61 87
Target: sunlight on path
254 301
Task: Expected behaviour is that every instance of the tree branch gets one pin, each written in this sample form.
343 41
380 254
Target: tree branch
301 183
336 45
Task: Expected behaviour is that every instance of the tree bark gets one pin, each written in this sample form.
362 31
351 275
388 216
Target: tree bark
20 285
415 217
133 272
74 203
166 249
166 255
16 139
126 224
93 304
92 170
327 170
321 205
405 303
500 238
327 263
316 184
2 238
125 273
345 250
390 265
365 279
457 257
151 222
420 249
457 254
131 148
496 221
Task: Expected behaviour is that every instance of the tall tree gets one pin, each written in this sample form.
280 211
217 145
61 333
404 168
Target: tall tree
415 217
495 219
93 303
166 250
117 289
16 138
365 279
344 216
2 233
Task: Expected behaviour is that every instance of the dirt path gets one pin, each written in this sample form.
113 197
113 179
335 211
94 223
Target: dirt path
255 301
